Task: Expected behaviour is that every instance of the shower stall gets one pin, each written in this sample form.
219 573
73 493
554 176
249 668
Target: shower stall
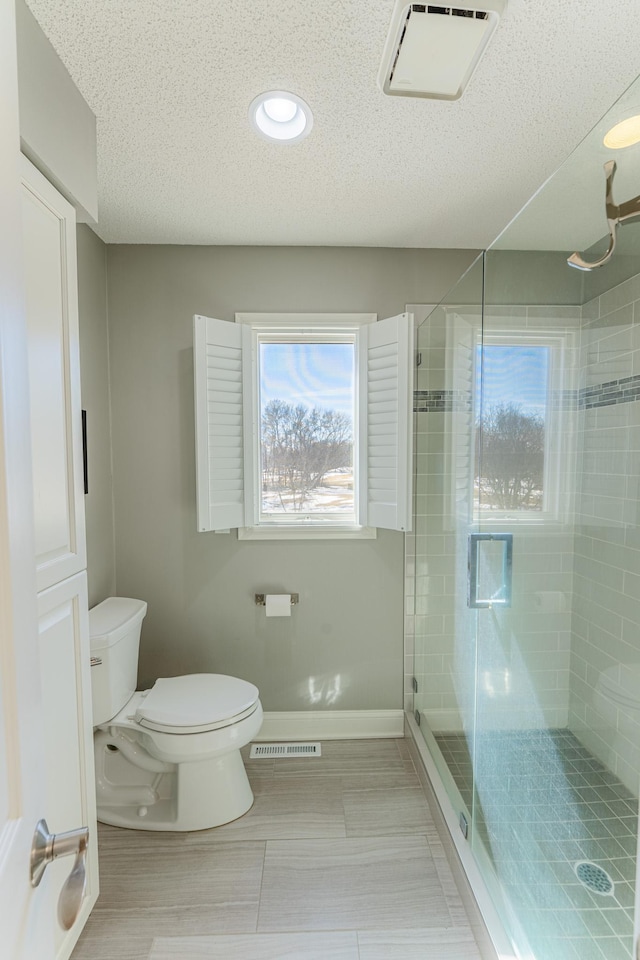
523 570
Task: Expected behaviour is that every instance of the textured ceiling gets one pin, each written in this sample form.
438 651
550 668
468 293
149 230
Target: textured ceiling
170 82
569 210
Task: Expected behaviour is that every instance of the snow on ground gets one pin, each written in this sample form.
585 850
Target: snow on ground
334 496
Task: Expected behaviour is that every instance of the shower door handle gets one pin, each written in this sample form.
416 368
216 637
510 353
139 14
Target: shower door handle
490 570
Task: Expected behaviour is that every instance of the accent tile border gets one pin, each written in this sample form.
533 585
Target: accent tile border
624 390
441 401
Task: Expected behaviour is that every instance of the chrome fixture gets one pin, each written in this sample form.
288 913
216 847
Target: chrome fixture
261 599
47 847
615 216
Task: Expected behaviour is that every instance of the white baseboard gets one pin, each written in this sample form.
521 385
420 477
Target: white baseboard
331 725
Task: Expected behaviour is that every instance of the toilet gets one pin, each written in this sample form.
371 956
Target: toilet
616 704
167 758
616 699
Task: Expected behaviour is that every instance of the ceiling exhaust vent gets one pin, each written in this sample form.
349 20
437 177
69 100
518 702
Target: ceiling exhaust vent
432 51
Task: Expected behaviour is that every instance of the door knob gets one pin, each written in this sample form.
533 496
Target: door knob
47 847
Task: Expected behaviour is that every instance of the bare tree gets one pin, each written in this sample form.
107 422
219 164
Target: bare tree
510 458
300 446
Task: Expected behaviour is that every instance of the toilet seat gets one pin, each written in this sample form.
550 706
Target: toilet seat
196 703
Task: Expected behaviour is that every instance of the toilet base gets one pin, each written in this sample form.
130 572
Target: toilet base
196 795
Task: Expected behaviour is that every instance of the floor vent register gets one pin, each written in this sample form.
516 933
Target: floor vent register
264 751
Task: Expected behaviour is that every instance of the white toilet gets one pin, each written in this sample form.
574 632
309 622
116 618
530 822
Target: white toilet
166 758
616 698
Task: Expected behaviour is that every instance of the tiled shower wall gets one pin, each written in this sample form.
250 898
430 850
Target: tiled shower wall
531 655
605 643
431 549
578 617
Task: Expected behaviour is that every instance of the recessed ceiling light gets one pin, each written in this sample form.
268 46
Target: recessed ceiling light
624 134
281 116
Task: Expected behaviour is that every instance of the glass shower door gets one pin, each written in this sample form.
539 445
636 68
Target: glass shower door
527 563
546 828
445 627
519 576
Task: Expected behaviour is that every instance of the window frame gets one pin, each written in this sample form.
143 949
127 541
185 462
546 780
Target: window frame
290 328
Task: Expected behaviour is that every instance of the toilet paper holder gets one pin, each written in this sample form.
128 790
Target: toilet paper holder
261 599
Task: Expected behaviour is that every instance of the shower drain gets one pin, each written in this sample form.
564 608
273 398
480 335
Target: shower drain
594 878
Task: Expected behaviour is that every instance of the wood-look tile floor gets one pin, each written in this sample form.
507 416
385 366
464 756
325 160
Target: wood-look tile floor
338 859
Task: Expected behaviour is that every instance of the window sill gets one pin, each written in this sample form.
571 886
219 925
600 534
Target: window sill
542 522
307 532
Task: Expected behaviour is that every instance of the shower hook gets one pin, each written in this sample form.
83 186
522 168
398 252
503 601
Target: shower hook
615 216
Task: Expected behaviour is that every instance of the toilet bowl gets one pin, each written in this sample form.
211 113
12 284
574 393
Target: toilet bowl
617 693
616 702
167 758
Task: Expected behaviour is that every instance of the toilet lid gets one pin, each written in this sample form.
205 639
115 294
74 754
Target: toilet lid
197 700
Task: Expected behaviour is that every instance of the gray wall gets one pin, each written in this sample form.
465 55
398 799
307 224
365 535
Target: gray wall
57 128
94 369
530 277
342 647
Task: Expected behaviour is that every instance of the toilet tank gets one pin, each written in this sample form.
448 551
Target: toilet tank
114 632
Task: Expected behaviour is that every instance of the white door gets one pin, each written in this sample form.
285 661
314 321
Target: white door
29 921
51 314
25 914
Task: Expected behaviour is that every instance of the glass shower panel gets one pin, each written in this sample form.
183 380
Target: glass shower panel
526 469
445 627
604 705
528 480
556 758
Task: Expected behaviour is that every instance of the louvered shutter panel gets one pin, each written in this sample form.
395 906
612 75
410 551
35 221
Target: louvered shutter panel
386 403
462 333
218 374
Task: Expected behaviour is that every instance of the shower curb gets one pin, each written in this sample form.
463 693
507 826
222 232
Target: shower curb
427 771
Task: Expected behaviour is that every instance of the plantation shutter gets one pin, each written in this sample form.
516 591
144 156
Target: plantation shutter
219 361
462 332
386 403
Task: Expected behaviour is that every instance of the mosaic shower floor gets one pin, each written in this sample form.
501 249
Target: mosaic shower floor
543 804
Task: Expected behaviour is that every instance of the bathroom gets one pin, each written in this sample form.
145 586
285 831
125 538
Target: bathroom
372 614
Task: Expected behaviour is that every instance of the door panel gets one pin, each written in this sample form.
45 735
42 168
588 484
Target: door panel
68 736
52 323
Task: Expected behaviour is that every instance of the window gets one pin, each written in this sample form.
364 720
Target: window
512 427
524 435
302 424
306 417
510 439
